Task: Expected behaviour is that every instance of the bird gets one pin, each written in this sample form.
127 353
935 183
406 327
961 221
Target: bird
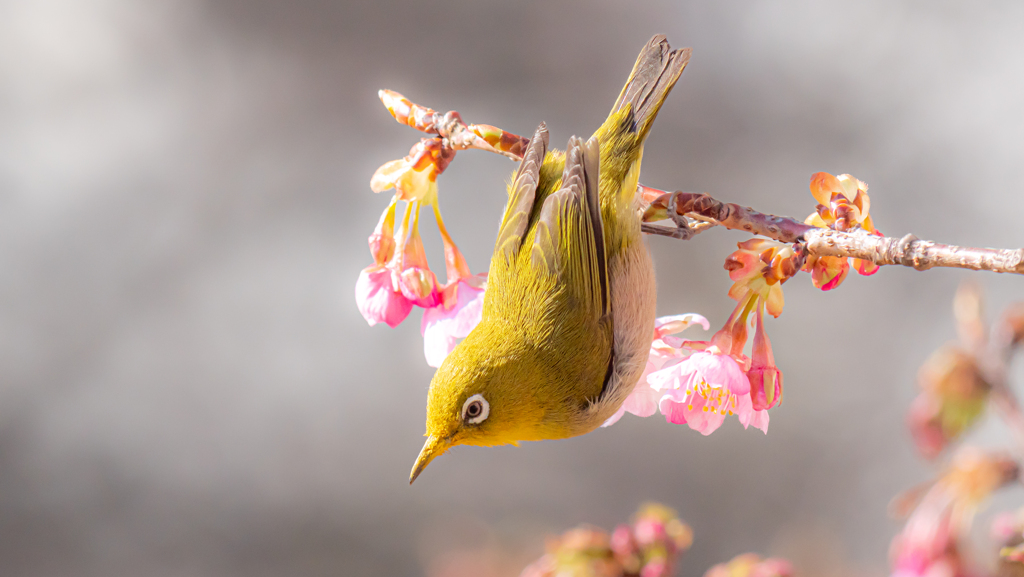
568 314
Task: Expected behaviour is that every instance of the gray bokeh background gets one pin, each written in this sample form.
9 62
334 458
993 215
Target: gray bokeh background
187 387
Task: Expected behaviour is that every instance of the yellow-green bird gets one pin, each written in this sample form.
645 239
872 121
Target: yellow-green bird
568 315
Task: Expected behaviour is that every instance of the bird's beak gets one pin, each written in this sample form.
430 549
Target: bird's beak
432 448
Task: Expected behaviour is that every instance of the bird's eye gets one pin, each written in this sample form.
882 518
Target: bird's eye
475 409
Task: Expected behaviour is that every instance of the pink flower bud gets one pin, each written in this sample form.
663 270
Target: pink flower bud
419 286
827 272
407 112
765 387
765 378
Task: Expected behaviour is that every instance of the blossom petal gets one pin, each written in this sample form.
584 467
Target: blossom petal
823 185
863 204
673 324
382 241
744 264
410 182
665 379
775 301
865 267
442 329
850 186
643 401
749 417
718 370
696 414
674 412
388 174
377 300
829 272
815 220
418 185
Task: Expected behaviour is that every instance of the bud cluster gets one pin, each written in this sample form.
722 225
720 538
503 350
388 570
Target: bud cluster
647 547
843 206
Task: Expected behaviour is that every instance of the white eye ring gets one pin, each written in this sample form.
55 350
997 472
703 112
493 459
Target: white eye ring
475 409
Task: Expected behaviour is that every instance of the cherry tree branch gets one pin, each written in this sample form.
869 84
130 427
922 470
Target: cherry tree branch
452 134
907 251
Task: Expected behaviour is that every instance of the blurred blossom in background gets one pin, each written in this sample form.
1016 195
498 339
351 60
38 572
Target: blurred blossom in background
188 388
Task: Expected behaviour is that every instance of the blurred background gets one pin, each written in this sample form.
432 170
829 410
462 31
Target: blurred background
187 387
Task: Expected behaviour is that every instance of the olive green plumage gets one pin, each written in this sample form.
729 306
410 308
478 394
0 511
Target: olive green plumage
569 309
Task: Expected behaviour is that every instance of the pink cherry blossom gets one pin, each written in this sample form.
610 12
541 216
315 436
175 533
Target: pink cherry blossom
705 388
378 298
443 326
665 327
665 350
386 292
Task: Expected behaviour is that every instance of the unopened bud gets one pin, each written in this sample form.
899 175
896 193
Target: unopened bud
420 286
765 387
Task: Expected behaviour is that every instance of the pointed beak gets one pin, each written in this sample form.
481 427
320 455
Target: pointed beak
432 448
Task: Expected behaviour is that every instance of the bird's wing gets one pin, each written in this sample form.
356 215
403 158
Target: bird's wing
515 222
548 287
569 239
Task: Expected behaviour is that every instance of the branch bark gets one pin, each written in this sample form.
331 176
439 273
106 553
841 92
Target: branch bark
908 251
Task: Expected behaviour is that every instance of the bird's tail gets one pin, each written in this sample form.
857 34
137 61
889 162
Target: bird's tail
656 71
622 135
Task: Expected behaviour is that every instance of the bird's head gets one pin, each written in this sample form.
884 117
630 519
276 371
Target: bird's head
484 394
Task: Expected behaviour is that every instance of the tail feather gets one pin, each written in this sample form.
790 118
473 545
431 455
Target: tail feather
656 71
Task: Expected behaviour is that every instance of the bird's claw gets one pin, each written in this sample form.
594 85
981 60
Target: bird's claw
684 231
678 233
